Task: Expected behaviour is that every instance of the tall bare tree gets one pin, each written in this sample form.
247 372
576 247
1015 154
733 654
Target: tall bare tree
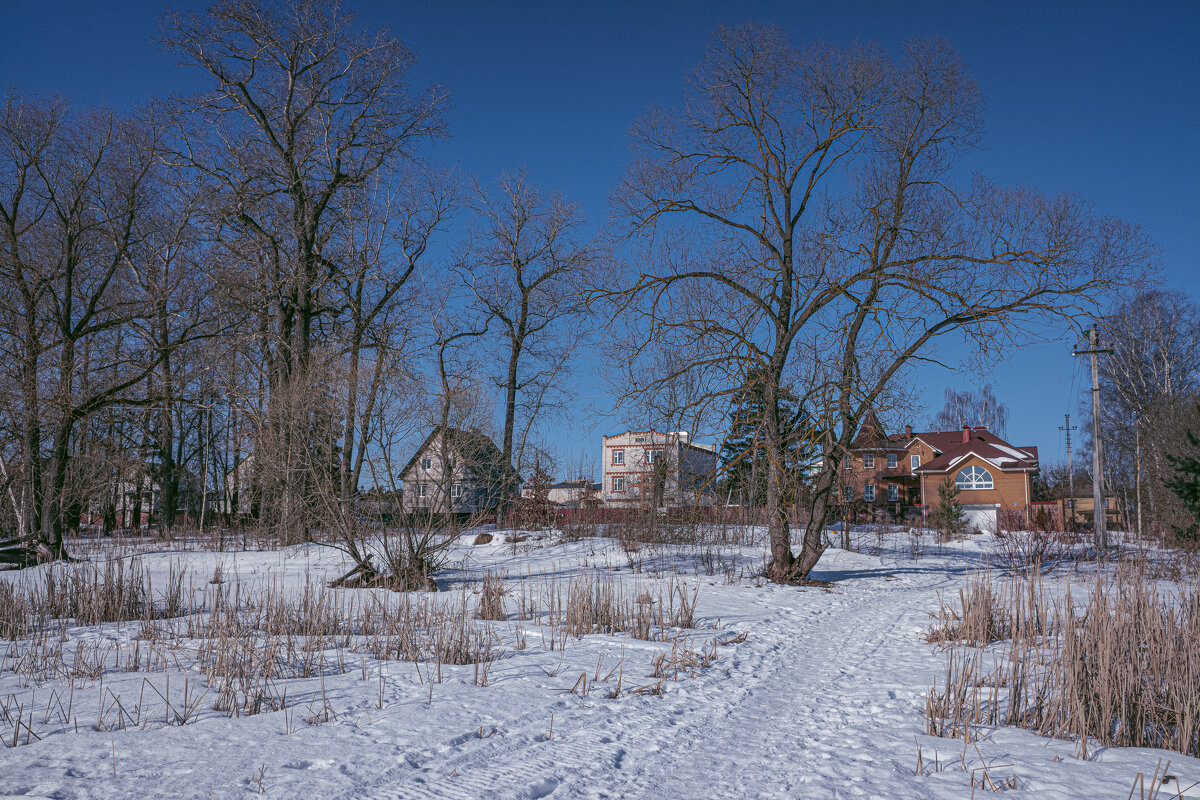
526 265
76 186
1150 383
798 219
384 236
304 110
972 408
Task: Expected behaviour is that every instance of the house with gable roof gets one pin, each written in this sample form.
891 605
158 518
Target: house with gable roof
458 472
899 472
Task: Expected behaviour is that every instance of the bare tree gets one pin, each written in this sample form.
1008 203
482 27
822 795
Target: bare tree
29 130
305 110
76 188
972 408
752 261
385 234
526 266
1150 382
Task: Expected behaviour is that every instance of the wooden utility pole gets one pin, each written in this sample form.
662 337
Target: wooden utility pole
1100 535
1070 470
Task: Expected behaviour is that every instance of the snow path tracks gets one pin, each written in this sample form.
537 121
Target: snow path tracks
826 682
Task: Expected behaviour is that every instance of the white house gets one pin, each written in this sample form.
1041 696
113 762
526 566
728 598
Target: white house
651 468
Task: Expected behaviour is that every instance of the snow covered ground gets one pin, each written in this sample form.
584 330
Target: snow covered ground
813 693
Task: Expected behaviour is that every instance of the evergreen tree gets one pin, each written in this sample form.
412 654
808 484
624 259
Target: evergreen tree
948 516
743 457
1186 486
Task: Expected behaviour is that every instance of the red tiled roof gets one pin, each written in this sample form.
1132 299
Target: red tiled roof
951 449
948 446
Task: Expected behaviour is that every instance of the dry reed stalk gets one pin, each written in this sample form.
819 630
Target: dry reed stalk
1120 669
491 599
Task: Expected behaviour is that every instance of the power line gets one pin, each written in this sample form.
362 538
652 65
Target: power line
1070 469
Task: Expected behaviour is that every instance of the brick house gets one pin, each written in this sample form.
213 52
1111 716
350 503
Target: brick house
642 468
895 473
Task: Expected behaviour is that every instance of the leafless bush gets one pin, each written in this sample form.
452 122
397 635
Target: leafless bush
1122 669
1022 552
572 529
917 547
651 526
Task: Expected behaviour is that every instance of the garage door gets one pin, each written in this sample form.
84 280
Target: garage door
981 519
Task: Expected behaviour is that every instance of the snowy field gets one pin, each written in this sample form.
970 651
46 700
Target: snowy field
813 692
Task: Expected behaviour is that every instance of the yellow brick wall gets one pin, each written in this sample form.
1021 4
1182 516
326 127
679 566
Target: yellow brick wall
1010 488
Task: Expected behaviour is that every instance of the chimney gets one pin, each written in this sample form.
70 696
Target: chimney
966 433
908 432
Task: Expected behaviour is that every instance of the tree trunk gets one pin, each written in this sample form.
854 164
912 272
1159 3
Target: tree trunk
782 567
53 507
31 436
510 414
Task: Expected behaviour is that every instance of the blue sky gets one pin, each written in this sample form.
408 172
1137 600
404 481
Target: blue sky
1097 98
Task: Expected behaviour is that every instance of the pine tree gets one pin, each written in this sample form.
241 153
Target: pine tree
1186 486
743 457
948 516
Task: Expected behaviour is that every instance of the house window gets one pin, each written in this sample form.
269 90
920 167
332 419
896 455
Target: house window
869 493
869 461
847 494
848 463
618 484
426 462
914 461
456 490
421 490
618 458
893 492
892 461
639 439
973 478
653 456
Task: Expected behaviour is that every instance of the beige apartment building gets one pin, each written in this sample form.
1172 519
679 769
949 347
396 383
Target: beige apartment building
657 469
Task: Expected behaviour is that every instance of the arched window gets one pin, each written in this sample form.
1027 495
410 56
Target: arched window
973 478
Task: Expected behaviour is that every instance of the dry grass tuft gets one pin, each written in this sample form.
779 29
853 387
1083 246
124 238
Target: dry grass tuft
1120 670
491 600
602 605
